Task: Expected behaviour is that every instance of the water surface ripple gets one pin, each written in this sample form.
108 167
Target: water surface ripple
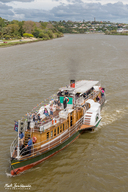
96 161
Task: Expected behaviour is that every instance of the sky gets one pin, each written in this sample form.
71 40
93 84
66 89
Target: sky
56 10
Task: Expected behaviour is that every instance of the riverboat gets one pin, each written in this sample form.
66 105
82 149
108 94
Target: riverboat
73 110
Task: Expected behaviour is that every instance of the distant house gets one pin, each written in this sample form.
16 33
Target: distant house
75 26
108 25
121 30
91 29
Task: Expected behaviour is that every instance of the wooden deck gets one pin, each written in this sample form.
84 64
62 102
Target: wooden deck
86 127
46 120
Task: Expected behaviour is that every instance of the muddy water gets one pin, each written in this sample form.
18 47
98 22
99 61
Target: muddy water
96 161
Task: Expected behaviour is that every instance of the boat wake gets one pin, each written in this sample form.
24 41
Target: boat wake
110 116
8 174
106 101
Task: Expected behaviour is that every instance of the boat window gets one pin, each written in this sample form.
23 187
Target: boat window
58 130
54 132
47 135
63 126
51 134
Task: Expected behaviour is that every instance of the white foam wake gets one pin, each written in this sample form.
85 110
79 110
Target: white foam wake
109 116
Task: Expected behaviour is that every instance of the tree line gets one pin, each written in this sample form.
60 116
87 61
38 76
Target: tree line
17 29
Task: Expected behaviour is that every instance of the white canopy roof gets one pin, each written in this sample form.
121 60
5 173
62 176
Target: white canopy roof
81 86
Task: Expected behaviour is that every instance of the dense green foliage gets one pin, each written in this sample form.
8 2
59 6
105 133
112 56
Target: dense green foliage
28 29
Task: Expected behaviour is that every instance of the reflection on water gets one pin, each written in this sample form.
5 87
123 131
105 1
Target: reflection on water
96 161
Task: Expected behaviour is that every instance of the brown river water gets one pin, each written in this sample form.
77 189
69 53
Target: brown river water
97 161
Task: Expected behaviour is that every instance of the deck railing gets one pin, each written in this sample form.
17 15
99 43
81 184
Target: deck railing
82 100
14 145
51 143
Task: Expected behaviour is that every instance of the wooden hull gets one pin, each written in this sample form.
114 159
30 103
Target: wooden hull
22 165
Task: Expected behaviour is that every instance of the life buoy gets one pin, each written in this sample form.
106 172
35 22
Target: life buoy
34 139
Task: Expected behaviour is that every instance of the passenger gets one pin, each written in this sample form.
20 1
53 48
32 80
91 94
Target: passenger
59 104
51 109
66 93
97 99
65 100
21 136
77 95
102 92
38 117
85 95
29 120
14 154
92 89
55 101
29 146
59 93
46 112
34 117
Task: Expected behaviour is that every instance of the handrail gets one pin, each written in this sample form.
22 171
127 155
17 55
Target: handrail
52 143
93 94
78 104
14 144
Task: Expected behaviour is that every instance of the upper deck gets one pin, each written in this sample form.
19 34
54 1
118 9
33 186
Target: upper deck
77 97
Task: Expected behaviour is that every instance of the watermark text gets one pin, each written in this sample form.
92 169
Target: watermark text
16 186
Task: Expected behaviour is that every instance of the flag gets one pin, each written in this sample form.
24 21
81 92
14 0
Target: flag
16 126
